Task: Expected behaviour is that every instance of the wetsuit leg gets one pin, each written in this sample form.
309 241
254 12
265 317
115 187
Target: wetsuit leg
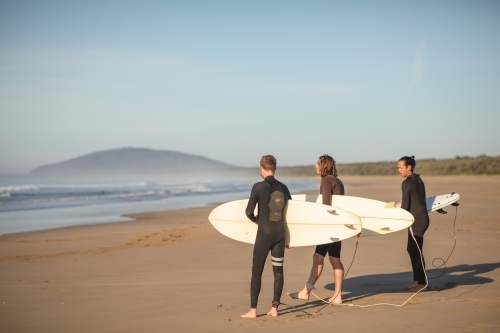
416 262
334 250
277 258
260 251
323 249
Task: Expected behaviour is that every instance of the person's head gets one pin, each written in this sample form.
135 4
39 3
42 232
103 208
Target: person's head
326 166
406 165
267 166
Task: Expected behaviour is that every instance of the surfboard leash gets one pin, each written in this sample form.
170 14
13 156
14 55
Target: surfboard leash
422 260
343 279
453 249
379 304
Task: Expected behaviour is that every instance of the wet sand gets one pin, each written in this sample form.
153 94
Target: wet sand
171 271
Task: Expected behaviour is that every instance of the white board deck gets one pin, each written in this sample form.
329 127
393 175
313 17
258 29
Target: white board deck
377 217
439 201
306 223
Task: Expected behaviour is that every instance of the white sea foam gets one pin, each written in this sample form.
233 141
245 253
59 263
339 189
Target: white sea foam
19 188
84 198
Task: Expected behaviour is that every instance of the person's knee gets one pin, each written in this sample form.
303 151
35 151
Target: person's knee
318 259
336 263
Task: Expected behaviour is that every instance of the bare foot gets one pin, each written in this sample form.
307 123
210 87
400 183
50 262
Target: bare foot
414 283
303 295
250 314
418 287
273 312
336 300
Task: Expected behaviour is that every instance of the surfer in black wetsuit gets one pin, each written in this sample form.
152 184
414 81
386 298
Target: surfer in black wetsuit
330 185
271 197
413 200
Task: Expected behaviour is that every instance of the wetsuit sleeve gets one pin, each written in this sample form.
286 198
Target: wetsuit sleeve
252 202
326 191
406 189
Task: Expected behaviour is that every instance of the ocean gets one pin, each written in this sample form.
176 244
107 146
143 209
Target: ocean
28 205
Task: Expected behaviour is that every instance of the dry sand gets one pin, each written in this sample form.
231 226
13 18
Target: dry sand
171 271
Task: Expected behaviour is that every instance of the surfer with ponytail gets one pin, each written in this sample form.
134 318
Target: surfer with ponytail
413 200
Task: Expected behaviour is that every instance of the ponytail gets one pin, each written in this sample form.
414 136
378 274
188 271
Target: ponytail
409 160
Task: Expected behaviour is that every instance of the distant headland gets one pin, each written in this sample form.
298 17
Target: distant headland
131 161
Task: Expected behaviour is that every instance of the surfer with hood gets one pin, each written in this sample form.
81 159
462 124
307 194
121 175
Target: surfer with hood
413 200
330 185
271 197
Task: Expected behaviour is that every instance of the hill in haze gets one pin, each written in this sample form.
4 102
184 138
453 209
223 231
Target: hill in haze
130 161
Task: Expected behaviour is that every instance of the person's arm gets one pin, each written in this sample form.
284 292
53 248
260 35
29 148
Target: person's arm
252 202
326 191
406 188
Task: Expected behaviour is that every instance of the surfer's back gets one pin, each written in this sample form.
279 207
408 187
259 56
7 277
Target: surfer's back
272 197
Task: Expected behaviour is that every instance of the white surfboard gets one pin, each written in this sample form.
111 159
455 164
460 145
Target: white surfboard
377 217
440 201
306 223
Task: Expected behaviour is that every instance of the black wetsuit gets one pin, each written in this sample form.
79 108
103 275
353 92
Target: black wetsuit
413 200
330 185
272 197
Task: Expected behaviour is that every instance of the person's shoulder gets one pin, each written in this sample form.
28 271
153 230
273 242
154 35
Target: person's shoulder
281 183
330 179
414 176
339 181
260 184
417 178
407 182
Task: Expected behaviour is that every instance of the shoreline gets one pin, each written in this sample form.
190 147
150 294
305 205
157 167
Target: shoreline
351 183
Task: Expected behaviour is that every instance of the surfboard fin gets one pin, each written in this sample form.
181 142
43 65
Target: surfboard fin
455 204
441 211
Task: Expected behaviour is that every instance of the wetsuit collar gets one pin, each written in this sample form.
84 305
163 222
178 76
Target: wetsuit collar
270 177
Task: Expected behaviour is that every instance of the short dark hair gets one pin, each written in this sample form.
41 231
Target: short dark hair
327 166
409 160
268 163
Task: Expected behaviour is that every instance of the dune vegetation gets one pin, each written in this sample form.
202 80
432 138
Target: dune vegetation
460 165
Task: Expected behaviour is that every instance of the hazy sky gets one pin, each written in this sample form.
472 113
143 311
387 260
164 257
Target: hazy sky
233 80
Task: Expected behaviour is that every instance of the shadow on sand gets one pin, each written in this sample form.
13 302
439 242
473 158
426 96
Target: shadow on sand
360 287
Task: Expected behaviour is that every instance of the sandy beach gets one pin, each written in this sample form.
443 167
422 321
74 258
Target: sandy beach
172 271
